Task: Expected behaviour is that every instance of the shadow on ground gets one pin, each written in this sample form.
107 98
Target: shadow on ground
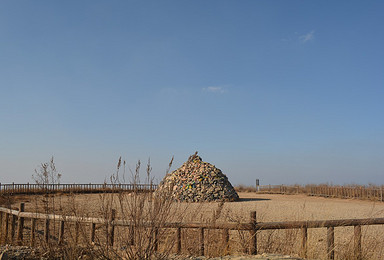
252 199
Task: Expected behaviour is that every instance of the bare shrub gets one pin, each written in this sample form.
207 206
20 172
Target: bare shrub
142 214
46 176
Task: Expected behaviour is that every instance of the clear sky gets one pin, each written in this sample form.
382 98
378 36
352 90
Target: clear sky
284 91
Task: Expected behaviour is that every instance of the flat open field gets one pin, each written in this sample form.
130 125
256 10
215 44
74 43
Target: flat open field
269 207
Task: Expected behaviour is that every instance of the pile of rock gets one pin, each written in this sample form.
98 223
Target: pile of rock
197 181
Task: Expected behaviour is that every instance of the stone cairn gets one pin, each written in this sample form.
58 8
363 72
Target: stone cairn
198 181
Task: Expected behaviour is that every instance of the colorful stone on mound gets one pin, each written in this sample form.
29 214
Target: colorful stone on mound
197 181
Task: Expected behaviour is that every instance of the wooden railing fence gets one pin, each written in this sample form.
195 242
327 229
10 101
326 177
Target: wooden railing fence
12 228
346 192
32 188
357 192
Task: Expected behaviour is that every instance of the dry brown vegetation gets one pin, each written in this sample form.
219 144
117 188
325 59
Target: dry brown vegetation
150 242
269 207
364 192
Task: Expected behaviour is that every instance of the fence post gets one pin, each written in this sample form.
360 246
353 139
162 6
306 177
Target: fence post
330 243
33 227
92 236
46 230
304 233
13 227
381 193
357 242
131 235
253 247
226 241
156 239
6 230
178 240
20 225
1 225
61 232
112 231
201 234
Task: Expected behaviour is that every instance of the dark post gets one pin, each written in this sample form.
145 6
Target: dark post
304 234
20 225
132 235
257 184
6 220
61 232
13 227
156 238
201 234
33 227
1 224
112 231
253 248
178 240
46 230
93 228
357 244
226 241
330 243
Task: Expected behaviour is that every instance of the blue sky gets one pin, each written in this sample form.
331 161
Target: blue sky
284 91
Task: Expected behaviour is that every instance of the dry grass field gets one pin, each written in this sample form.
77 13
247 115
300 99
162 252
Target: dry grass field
269 208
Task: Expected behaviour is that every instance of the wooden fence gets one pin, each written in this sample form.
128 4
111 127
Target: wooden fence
17 188
357 192
346 192
12 227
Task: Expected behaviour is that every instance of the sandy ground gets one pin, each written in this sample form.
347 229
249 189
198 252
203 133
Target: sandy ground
270 207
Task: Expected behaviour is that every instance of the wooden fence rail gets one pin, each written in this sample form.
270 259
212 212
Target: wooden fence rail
12 221
17 188
358 192
346 192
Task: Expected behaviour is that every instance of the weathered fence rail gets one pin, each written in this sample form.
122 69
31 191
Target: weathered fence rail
12 228
346 192
358 192
18 188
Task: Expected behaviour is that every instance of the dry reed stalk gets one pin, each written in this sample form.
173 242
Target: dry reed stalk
143 213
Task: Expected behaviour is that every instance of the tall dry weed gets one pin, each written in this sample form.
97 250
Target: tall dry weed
142 215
